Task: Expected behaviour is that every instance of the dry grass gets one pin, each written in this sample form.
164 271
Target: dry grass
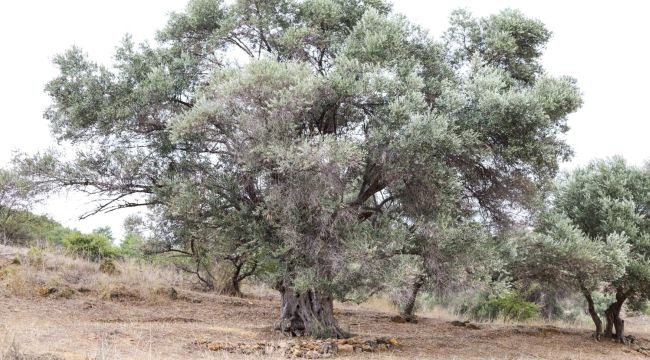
142 321
14 352
36 273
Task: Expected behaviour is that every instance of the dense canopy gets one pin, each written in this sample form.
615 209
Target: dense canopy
322 138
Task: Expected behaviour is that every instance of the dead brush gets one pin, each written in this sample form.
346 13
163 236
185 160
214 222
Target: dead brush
52 273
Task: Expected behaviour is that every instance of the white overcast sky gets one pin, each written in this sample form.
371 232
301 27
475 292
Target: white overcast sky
604 44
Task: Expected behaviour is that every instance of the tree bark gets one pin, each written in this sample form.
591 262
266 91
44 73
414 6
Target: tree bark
229 288
407 312
613 317
239 273
310 313
236 284
592 311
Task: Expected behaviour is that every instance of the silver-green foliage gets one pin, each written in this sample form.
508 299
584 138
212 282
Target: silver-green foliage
609 201
17 196
326 134
562 255
593 238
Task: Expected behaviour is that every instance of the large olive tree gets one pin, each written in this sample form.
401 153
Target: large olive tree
331 133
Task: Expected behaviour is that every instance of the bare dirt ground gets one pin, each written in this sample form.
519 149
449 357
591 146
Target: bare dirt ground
87 329
78 318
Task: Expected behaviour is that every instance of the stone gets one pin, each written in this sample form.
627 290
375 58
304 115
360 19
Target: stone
311 354
216 346
346 348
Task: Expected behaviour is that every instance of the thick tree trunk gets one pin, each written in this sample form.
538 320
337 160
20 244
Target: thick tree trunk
239 273
236 287
592 311
310 313
613 320
407 312
229 288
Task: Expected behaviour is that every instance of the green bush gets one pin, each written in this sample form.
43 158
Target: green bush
91 246
507 306
602 301
642 307
25 228
132 246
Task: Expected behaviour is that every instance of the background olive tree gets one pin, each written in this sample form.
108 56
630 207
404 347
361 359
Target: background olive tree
611 199
17 196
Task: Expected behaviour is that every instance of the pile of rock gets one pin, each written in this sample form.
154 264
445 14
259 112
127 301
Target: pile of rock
306 348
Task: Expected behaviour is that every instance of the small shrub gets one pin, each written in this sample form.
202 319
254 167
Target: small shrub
91 246
507 306
35 256
107 266
167 293
60 291
121 293
8 272
132 246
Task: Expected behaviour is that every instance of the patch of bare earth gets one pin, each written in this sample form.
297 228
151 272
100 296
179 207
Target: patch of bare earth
117 323
84 328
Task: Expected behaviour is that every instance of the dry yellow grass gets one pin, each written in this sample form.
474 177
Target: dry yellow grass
49 273
151 324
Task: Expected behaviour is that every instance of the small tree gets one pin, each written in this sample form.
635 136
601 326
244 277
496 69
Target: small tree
610 198
106 232
133 243
597 235
444 257
17 194
561 256
217 243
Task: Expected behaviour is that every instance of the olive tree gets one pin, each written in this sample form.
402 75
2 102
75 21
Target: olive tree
329 133
17 195
345 158
606 199
559 255
443 258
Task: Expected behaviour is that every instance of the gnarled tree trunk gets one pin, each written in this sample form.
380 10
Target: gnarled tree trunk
592 311
308 313
241 269
613 318
408 311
